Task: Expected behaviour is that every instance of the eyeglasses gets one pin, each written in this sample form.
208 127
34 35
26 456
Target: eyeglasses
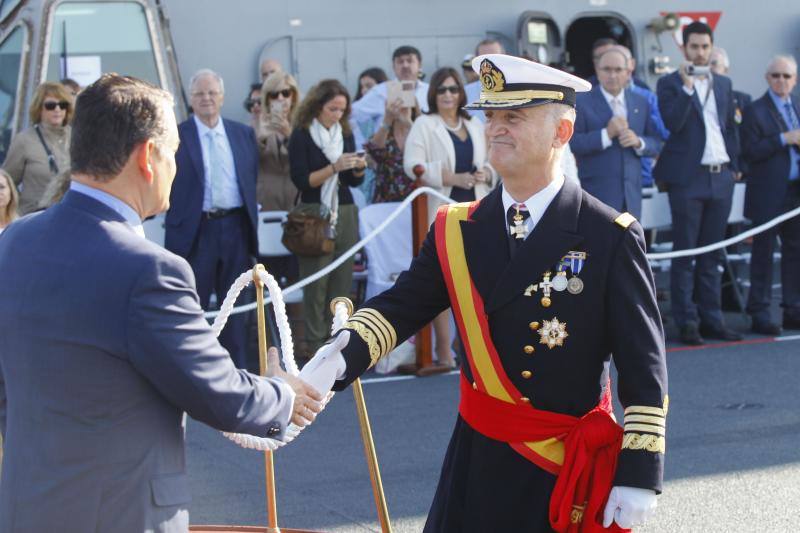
611 70
286 93
250 103
453 89
777 75
210 94
50 106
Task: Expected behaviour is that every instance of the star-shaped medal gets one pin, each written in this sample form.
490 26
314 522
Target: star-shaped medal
553 333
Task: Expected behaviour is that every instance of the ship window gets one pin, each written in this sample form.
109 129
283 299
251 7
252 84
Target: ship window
89 38
10 67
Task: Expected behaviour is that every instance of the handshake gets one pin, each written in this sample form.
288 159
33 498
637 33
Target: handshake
315 380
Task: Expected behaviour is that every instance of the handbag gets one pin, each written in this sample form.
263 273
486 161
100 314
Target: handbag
308 234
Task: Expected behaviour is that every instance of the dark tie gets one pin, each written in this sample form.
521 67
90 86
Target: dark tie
516 216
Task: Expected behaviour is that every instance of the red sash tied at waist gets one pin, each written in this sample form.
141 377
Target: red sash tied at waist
592 443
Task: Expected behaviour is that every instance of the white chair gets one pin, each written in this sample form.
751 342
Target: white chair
390 252
736 216
656 215
154 229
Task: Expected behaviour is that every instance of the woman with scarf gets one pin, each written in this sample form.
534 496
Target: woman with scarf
323 165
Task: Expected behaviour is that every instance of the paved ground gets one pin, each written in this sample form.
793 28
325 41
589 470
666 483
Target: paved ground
733 459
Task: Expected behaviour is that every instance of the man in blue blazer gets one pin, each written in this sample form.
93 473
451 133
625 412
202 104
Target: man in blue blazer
613 130
697 166
212 221
103 344
771 144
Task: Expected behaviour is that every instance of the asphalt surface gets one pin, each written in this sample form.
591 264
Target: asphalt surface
732 463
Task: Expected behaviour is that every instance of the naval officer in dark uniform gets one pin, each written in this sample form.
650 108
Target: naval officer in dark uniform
546 283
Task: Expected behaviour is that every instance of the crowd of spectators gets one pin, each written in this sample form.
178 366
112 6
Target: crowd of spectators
694 137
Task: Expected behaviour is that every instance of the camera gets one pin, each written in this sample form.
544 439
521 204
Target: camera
694 70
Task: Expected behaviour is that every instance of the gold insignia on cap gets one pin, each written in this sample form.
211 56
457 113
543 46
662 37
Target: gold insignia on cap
492 78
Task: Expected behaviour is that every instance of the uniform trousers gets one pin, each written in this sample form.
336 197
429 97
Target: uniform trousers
700 210
217 258
758 300
318 295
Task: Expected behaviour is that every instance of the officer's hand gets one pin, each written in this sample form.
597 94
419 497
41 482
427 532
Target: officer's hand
327 365
307 400
616 126
629 507
629 139
688 81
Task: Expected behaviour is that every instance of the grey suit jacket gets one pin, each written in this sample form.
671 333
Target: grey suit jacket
103 347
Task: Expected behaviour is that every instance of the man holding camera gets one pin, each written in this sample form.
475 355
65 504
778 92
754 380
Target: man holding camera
697 168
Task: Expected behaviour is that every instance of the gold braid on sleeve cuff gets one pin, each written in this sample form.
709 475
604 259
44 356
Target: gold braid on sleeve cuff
645 428
373 328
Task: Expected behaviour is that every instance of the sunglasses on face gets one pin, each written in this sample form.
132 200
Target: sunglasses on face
50 106
777 75
286 93
250 103
453 89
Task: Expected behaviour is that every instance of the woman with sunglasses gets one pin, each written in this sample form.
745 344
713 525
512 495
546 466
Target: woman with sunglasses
38 154
446 150
279 97
253 106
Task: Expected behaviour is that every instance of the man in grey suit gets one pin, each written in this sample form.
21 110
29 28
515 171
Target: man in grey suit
103 344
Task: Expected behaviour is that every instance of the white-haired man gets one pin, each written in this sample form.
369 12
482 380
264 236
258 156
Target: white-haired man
212 216
546 282
771 146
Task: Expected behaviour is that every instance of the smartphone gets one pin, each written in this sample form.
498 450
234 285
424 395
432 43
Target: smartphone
408 93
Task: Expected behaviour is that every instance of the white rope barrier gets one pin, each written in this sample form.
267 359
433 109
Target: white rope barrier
287 348
433 192
727 242
345 256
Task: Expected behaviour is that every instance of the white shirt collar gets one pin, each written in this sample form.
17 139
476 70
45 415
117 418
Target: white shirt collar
609 97
123 209
536 204
202 129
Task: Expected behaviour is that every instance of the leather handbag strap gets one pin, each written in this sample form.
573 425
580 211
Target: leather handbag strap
50 157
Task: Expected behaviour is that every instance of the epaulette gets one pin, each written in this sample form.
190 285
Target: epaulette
625 220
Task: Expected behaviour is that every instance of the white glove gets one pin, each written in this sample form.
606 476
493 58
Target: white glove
327 365
629 506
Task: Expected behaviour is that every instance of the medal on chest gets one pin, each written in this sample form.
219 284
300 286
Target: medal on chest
518 229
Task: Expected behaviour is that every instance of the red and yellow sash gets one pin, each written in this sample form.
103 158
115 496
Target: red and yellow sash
487 370
582 452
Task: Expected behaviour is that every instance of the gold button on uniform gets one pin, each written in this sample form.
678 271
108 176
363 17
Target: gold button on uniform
527 374
525 399
528 349
474 385
534 326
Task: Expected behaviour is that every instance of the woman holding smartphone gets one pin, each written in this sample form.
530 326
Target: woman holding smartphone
323 165
446 150
279 98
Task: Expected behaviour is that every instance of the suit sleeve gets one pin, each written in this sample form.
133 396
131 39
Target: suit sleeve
731 130
388 319
756 146
585 142
651 136
171 344
637 343
673 103
2 407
